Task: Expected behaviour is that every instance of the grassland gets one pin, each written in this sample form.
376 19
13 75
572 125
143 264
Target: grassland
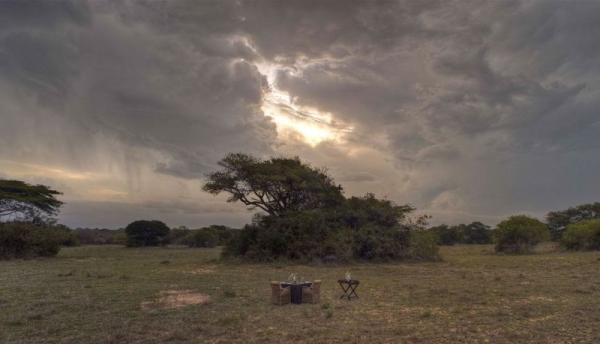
96 294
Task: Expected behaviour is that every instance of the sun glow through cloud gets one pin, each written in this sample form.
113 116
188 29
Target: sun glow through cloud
312 125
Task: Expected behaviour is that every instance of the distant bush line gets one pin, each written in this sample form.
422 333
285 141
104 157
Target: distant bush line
473 233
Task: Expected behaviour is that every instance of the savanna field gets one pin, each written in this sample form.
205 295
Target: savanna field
113 294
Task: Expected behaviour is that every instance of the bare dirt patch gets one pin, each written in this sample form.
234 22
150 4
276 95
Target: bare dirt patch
169 299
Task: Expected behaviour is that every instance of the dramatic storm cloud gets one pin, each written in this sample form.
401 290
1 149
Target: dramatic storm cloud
469 110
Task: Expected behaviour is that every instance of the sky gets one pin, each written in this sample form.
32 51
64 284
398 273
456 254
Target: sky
468 110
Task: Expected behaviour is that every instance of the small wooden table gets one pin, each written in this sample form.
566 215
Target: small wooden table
349 288
296 290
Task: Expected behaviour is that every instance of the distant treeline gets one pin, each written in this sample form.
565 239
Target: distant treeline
473 233
211 236
305 216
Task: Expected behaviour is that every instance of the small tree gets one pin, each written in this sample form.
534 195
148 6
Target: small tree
22 201
584 235
519 234
146 233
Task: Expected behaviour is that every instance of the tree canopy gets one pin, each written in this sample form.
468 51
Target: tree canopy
276 185
22 200
146 233
560 219
519 234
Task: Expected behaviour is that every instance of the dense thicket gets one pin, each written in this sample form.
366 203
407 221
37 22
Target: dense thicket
473 233
28 240
519 234
360 228
146 233
583 235
559 220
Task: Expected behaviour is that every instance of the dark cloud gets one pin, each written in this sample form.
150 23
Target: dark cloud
468 109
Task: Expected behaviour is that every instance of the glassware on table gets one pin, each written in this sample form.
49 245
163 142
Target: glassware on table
348 277
292 278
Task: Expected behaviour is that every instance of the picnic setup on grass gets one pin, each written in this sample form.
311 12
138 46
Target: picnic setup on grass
298 291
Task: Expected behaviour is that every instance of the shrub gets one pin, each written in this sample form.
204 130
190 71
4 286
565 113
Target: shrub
519 234
446 235
363 229
146 233
178 236
473 233
66 236
26 240
423 245
584 235
560 219
119 237
223 232
476 233
201 238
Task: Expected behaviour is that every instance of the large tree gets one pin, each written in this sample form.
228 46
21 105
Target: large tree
277 185
20 200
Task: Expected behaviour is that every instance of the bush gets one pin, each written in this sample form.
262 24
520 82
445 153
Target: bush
519 234
201 238
473 233
560 219
476 233
178 236
66 236
584 235
365 228
423 245
446 235
146 233
119 237
26 240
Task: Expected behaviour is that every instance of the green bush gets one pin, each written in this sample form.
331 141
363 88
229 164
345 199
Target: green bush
364 228
519 234
446 235
583 235
423 245
66 236
26 240
473 233
201 238
146 233
178 236
119 237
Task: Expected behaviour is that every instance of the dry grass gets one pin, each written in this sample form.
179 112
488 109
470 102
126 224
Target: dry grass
93 294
